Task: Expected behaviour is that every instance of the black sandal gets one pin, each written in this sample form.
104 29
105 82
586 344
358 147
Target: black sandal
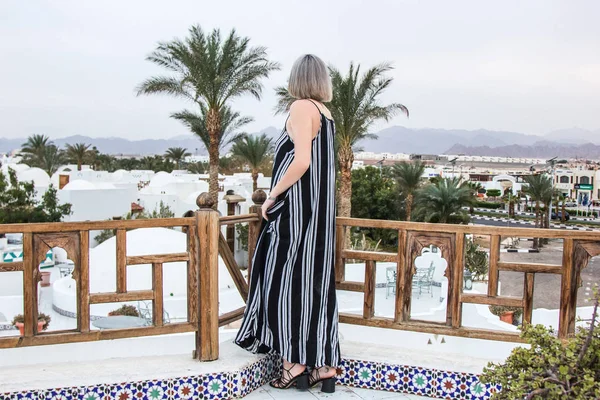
286 380
328 383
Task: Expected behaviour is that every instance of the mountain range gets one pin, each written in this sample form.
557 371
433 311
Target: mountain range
568 143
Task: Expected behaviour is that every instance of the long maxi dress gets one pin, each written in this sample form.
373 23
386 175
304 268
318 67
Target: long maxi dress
292 306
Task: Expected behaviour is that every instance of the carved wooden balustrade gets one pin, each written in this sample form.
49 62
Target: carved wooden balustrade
578 248
206 243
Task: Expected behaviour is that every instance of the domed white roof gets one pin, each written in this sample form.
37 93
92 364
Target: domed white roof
161 179
145 242
79 184
118 174
38 176
15 167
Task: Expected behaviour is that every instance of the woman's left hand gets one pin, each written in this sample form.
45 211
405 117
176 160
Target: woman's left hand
266 205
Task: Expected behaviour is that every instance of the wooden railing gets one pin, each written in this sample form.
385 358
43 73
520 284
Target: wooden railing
578 248
205 243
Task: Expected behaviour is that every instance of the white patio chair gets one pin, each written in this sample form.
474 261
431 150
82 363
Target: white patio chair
390 277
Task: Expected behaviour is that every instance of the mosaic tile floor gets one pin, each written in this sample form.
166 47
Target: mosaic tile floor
341 392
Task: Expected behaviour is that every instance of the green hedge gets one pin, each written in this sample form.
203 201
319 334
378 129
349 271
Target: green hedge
490 205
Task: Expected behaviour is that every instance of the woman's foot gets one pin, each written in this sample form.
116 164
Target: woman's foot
292 373
322 374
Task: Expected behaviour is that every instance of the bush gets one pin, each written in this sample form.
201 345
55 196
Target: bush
551 368
493 192
499 310
476 261
242 232
488 204
126 310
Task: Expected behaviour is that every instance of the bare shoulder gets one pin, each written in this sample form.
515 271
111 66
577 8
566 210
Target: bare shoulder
303 108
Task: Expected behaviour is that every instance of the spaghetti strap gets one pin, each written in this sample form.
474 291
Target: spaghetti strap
315 104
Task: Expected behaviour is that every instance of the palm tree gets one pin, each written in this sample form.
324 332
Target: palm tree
409 177
197 167
79 153
209 71
52 159
177 154
34 149
538 188
254 150
444 200
231 122
476 187
355 107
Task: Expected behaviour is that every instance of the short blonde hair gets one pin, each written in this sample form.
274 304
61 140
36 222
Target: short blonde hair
310 79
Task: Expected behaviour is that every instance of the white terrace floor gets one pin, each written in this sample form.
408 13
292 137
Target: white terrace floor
341 392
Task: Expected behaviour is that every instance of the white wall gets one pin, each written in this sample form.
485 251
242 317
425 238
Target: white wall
98 204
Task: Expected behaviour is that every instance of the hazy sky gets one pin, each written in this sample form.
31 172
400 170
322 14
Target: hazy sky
70 66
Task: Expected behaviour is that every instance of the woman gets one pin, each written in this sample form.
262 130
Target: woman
292 305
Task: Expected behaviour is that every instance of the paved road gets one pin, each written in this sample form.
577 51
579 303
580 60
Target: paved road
479 220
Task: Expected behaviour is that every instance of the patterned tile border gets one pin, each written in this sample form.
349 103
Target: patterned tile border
232 385
413 380
213 386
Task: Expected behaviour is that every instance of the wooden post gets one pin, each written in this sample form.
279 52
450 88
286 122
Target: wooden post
455 305
369 296
528 297
30 270
567 282
157 288
192 274
493 270
121 261
258 198
400 277
208 228
83 282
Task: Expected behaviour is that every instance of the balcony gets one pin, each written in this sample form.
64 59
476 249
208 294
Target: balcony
402 330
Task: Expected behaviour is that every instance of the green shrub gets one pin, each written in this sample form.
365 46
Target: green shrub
551 368
488 204
242 231
476 261
499 310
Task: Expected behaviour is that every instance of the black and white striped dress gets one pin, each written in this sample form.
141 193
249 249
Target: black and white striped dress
292 306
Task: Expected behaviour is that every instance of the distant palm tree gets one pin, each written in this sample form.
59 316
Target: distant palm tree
198 167
410 178
79 153
52 159
231 122
476 187
538 188
34 149
210 71
254 150
177 154
444 200
355 107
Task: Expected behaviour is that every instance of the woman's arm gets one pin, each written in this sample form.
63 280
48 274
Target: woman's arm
304 123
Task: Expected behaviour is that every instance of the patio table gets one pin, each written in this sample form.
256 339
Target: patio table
119 322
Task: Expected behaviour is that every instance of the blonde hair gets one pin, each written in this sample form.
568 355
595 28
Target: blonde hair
310 79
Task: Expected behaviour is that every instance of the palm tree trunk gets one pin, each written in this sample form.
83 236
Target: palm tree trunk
536 243
562 215
254 180
79 165
213 124
409 203
345 158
